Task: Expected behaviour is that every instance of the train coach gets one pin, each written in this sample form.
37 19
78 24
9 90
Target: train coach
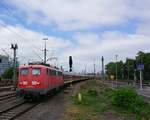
37 79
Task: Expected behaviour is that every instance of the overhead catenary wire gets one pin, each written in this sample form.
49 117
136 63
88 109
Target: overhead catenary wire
19 35
10 30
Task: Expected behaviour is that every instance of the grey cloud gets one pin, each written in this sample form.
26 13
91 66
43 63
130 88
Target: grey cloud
70 15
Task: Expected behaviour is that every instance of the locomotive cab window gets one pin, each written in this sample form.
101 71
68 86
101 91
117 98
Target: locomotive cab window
56 73
36 71
53 72
48 71
60 73
24 71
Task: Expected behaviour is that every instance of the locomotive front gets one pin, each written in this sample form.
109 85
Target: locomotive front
31 79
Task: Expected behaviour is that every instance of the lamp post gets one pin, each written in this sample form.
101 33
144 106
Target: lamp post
128 68
116 69
45 50
141 69
94 68
103 74
122 70
141 72
135 69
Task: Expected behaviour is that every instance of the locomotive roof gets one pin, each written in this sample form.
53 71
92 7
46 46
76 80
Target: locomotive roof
39 66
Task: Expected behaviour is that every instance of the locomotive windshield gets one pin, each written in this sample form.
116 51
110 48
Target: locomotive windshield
36 71
24 71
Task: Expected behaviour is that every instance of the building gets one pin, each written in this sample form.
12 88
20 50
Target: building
5 63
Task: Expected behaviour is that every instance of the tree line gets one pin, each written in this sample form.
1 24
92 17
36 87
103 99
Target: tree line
129 69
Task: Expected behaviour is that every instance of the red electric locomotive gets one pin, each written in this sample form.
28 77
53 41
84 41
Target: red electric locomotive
38 79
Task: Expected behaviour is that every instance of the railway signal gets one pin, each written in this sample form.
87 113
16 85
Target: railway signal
14 47
70 63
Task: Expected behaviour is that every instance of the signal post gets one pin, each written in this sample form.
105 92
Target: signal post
14 47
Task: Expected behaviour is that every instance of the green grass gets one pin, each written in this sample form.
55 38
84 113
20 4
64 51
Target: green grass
95 100
92 100
98 100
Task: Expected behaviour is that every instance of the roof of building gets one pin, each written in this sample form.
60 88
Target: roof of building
3 56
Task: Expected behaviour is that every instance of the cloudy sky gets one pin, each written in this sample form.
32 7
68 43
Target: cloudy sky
84 29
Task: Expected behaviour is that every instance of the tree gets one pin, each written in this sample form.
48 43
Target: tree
8 74
111 69
129 68
126 70
144 58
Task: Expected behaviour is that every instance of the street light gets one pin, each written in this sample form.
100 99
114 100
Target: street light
45 50
141 72
94 68
103 77
116 69
135 69
122 70
128 66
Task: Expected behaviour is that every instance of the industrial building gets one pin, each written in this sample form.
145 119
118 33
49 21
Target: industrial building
5 63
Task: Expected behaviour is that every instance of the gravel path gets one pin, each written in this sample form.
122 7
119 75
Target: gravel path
3 93
51 109
9 102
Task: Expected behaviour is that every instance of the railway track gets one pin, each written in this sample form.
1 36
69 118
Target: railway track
7 96
6 88
16 110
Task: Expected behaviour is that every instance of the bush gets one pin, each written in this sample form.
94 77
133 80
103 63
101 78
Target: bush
92 92
124 97
128 100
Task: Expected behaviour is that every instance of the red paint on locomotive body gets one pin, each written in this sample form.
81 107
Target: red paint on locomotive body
38 79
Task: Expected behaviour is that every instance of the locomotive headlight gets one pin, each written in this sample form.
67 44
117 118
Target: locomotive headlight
38 83
24 82
20 83
35 83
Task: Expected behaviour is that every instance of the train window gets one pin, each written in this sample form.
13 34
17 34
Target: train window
60 73
36 71
48 72
57 73
24 71
53 72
